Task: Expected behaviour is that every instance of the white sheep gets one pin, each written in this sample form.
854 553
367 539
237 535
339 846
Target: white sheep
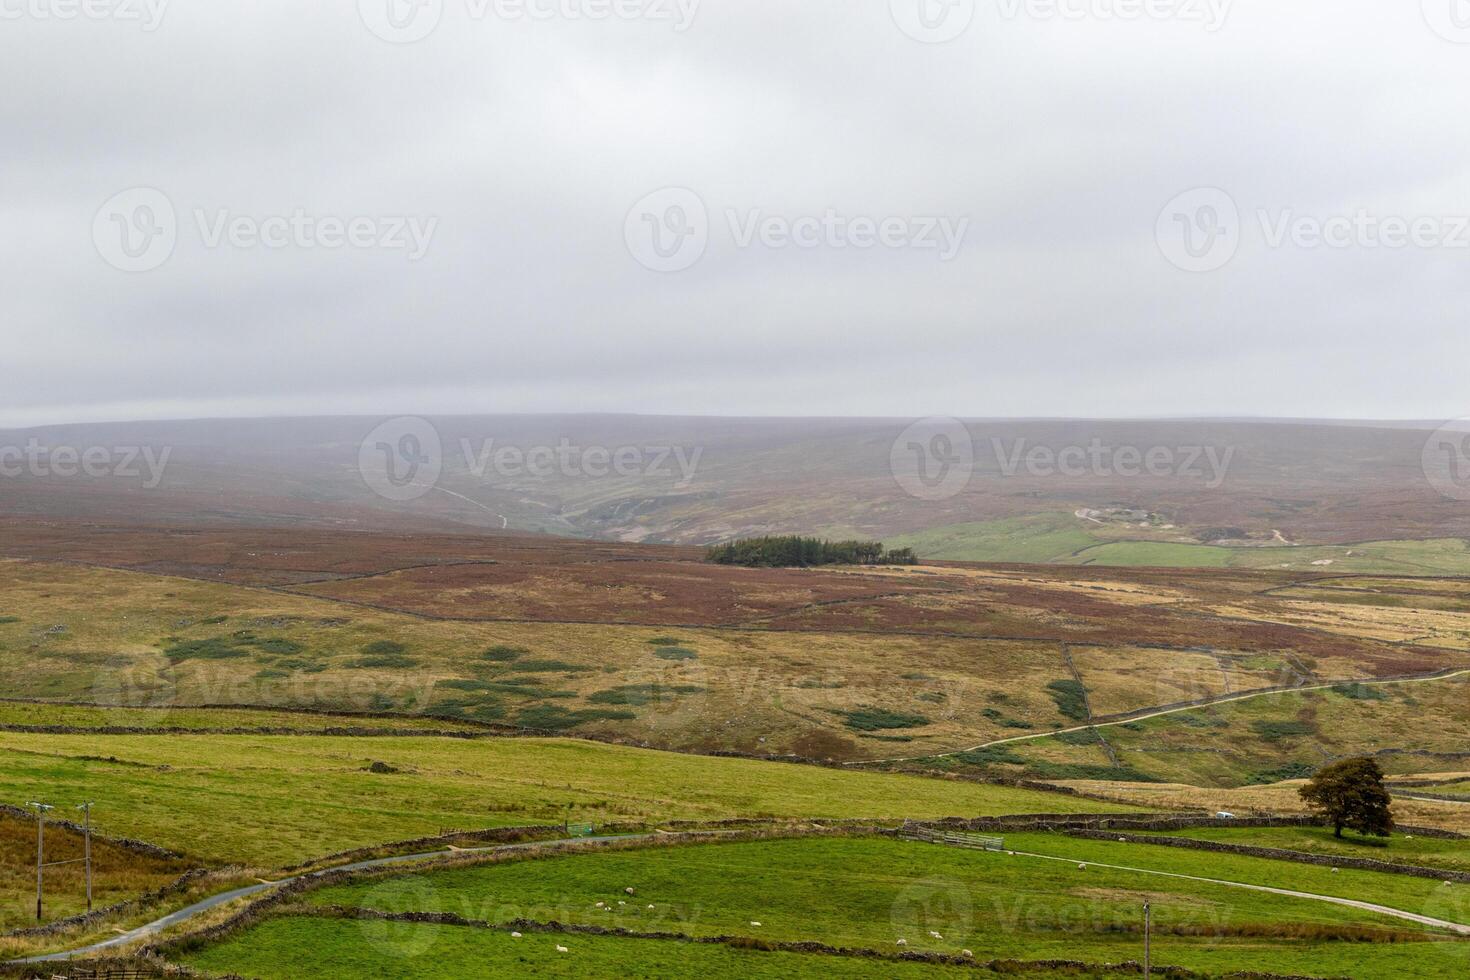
650 906
1081 867
515 935
934 935
967 954
902 942
599 904
756 924
562 949
629 890
1334 871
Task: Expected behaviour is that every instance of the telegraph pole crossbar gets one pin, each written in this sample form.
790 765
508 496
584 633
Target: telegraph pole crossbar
1148 929
86 809
41 809
41 862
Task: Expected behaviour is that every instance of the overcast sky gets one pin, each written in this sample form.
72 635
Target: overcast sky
999 222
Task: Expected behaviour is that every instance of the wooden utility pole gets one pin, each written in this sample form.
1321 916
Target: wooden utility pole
86 809
1148 922
41 809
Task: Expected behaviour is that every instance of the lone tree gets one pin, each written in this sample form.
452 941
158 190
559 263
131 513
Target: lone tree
1351 794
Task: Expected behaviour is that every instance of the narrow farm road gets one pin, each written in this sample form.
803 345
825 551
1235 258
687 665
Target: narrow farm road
1423 920
1145 714
214 901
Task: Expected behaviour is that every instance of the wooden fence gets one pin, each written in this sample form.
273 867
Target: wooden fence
978 842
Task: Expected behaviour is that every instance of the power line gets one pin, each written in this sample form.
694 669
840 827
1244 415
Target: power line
86 809
41 862
41 809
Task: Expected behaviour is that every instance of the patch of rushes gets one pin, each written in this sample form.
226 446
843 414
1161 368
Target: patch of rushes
638 695
1000 718
241 643
868 719
549 667
675 653
1273 730
555 718
993 758
501 653
1070 697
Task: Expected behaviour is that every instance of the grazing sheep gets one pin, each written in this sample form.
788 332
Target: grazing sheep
756 924
1334 871
1081 867
562 949
629 890
934 935
967 954
902 942
650 906
621 902
599 904
515 935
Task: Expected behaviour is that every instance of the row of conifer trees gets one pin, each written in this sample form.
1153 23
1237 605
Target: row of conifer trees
794 551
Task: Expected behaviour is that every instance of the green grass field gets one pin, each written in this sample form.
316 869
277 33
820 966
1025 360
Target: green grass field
1061 537
276 800
1461 788
1442 556
18 713
1043 538
872 892
290 947
1427 852
1403 892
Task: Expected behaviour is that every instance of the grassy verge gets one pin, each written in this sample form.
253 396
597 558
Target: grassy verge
1401 892
873 892
275 800
296 946
1426 852
49 715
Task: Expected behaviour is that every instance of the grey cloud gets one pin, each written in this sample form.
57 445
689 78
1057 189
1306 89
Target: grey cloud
529 142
